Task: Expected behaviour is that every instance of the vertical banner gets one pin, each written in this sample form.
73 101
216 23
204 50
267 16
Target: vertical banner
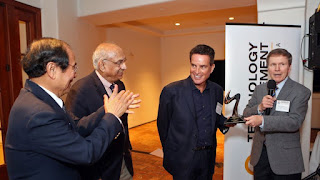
247 47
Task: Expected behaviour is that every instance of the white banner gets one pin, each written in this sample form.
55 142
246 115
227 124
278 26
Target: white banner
247 47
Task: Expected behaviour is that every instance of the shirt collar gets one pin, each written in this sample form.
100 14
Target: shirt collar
195 88
54 97
281 84
105 83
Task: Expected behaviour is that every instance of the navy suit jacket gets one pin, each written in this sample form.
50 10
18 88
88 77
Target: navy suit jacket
177 124
85 97
43 142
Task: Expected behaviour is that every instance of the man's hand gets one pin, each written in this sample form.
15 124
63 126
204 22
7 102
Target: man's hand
118 103
135 104
255 120
267 102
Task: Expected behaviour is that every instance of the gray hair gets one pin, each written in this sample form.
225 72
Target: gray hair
103 51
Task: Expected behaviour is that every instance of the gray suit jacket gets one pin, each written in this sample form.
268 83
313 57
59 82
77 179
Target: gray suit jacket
281 129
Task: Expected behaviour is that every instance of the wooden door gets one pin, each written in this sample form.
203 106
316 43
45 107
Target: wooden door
20 24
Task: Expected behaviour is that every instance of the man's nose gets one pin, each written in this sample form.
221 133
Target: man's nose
197 70
123 66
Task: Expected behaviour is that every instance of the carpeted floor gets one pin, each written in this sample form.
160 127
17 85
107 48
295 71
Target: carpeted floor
145 139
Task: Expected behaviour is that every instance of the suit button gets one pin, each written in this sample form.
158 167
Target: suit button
195 135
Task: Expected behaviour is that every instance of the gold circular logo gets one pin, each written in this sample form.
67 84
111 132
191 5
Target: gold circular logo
247 166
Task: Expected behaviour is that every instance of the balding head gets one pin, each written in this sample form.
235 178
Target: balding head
110 61
105 51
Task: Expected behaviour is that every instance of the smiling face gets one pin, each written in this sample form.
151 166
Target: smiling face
278 68
200 70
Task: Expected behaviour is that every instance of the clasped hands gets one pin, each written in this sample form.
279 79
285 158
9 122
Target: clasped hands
120 103
256 120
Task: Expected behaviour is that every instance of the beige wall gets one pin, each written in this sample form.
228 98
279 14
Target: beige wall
175 53
82 36
143 70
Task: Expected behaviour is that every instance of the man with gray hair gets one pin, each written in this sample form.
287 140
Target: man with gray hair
43 141
85 97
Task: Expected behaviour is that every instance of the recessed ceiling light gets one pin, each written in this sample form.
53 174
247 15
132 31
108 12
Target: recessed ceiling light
231 18
177 24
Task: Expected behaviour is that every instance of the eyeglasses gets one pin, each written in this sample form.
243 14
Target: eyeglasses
74 67
118 63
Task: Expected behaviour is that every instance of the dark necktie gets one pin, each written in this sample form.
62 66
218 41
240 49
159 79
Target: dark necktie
63 107
112 87
274 94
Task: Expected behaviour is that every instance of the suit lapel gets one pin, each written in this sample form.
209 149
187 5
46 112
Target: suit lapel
98 84
187 91
42 95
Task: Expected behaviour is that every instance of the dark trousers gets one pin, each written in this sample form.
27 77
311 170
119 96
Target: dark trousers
201 166
262 171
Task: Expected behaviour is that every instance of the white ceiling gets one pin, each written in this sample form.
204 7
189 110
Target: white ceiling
195 16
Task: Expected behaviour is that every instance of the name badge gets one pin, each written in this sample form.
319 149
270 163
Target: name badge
283 106
219 108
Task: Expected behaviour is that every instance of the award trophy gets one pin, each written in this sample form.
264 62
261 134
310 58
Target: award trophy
235 118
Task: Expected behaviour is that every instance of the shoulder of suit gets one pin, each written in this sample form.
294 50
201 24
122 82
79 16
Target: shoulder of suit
177 84
298 86
30 101
261 86
214 85
84 82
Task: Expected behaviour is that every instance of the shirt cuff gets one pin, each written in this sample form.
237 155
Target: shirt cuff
262 123
259 113
120 122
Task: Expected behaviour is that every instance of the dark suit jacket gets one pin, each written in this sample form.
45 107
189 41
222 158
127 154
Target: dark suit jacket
280 133
177 124
42 141
85 97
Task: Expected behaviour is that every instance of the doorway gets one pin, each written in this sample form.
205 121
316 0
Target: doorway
20 24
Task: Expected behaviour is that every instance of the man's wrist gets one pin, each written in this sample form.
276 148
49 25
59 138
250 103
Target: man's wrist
260 109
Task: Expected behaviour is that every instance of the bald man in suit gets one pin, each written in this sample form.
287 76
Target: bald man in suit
85 97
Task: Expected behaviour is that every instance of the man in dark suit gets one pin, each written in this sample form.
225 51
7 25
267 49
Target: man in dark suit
42 141
190 111
85 97
276 149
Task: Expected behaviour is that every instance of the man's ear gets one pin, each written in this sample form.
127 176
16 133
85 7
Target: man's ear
51 70
101 66
212 67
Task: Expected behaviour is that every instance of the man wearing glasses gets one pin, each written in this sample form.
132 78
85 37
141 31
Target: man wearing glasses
85 97
43 141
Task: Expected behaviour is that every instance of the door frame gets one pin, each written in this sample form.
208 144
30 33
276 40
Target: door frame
11 75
